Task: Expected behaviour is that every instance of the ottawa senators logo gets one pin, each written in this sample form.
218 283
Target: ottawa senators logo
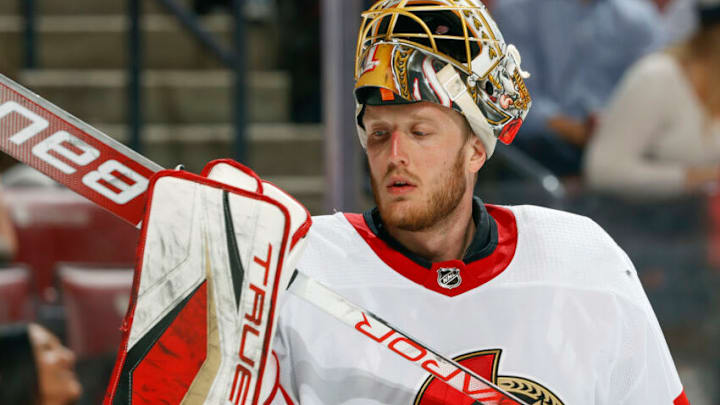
485 363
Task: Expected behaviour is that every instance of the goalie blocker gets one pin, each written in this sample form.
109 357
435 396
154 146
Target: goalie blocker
213 255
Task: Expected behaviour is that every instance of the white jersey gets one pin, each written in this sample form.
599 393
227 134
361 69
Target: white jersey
554 315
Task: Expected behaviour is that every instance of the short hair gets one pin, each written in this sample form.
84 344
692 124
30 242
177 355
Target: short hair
18 371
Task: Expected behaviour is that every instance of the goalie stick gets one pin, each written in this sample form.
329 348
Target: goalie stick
47 138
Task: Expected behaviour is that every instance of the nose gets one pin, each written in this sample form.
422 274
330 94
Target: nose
398 148
68 356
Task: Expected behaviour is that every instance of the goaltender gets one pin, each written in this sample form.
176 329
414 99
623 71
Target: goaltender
542 303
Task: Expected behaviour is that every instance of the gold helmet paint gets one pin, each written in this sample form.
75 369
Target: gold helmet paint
449 52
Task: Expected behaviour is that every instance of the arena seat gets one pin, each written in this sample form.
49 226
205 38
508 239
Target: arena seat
15 294
95 299
54 225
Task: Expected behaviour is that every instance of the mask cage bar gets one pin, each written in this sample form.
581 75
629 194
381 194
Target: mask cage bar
374 17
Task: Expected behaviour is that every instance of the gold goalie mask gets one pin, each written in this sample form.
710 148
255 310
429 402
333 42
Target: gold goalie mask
448 52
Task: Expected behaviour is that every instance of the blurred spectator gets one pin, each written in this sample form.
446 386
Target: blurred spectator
576 51
660 136
35 368
678 20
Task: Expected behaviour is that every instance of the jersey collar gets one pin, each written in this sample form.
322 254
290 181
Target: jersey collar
483 242
490 251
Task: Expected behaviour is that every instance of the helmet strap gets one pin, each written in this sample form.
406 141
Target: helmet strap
458 92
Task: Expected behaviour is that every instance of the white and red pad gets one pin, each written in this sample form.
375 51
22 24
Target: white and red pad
212 263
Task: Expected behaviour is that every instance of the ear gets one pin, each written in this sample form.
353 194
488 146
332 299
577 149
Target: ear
478 156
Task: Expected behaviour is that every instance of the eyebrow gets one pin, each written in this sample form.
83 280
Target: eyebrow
417 116
420 117
367 114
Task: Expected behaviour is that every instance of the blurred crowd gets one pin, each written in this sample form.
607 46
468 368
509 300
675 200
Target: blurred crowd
624 91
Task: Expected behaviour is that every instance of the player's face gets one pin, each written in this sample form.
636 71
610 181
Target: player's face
422 162
55 363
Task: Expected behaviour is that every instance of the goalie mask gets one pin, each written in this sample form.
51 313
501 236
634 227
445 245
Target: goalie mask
448 52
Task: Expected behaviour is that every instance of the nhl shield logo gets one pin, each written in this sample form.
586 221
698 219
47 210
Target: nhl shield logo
449 277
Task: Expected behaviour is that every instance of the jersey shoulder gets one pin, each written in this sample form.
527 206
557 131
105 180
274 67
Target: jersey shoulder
571 250
337 255
548 233
333 235
330 237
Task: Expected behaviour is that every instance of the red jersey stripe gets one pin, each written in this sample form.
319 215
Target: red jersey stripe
681 399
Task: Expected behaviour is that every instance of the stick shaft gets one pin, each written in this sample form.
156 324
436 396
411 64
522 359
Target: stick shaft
49 139
379 331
